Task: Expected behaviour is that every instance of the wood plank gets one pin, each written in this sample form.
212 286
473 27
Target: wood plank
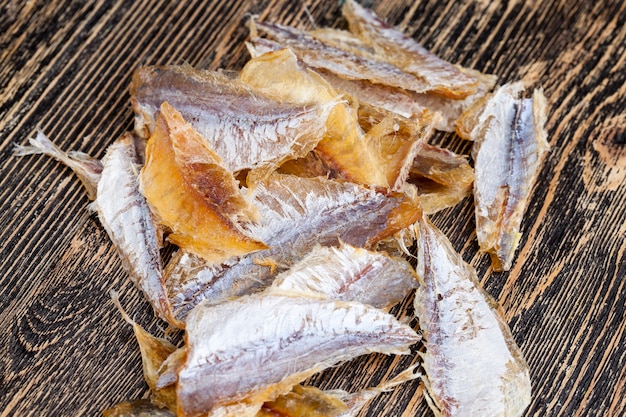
65 67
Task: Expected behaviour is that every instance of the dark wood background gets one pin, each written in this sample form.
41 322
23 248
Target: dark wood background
65 67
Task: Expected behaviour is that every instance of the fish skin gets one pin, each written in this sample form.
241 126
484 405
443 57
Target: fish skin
245 128
292 337
348 273
509 145
125 215
344 63
395 47
295 215
473 366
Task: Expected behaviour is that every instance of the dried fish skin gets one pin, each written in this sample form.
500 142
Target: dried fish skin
295 215
192 193
442 177
509 145
473 366
245 128
348 273
307 401
298 336
319 55
86 168
343 149
395 47
124 213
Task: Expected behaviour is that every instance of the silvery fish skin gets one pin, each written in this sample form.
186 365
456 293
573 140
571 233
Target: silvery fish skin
296 214
348 273
293 337
122 210
395 47
509 145
245 128
124 213
344 63
473 366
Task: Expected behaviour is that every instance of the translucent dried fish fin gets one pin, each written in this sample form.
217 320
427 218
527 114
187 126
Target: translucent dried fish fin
297 335
138 408
473 366
295 215
192 193
87 169
154 351
245 128
307 401
443 178
344 63
347 273
124 213
343 148
395 47
509 145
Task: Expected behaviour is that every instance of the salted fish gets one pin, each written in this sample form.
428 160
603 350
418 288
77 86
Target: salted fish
472 363
344 63
404 52
245 128
122 210
347 273
509 145
293 337
295 215
443 178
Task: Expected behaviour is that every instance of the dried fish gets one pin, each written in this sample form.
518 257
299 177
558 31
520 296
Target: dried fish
344 63
293 337
347 273
245 128
473 366
443 178
193 194
138 408
404 52
295 215
509 144
122 210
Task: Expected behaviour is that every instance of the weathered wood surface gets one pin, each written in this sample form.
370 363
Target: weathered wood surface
65 67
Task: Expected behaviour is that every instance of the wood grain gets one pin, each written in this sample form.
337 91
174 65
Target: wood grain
65 67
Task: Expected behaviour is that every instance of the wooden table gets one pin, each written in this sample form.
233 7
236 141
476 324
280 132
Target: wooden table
65 67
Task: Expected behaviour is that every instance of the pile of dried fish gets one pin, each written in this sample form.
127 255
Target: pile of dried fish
292 190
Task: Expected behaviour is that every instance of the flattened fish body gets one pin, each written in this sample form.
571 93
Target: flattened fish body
402 51
124 213
245 128
509 144
284 339
473 366
350 274
295 215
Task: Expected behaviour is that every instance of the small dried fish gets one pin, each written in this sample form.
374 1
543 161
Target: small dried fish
122 210
245 128
473 366
442 177
350 274
193 194
295 215
395 47
509 144
344 63
293 337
